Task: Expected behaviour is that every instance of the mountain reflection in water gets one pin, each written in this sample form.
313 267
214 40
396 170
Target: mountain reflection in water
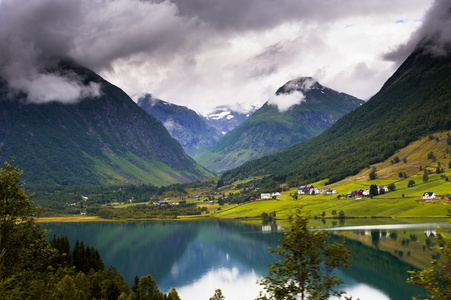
198 257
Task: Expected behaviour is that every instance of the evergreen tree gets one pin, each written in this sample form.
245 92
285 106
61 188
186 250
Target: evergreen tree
61 243
21 240
147 289
373 174
425 176
308 262
32 268
373 190
218 295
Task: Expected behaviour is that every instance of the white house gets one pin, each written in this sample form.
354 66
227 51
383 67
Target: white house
330 192
265 196
275 195
382 187
429 195
314 191
366 193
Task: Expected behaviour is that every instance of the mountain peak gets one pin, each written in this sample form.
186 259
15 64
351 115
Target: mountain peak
301 84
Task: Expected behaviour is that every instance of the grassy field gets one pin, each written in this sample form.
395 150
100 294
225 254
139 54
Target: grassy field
76 218
315 206
405 202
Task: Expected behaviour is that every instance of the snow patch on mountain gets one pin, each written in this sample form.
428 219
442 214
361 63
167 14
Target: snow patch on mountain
300 84
219 115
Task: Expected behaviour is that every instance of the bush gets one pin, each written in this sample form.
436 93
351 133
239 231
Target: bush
373 174
395 160
391 187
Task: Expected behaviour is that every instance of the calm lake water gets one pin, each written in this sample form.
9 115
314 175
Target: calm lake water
198 257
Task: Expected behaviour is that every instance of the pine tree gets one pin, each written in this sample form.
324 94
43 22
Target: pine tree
305 271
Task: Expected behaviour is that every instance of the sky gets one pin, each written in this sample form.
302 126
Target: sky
204 53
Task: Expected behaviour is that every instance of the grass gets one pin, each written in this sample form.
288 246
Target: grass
316 205
404 202
75 218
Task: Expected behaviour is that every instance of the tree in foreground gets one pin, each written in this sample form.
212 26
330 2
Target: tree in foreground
308 262
436 280
21 240
32 268
218 295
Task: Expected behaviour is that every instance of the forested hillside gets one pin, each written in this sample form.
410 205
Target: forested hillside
312 109
98 140
414 102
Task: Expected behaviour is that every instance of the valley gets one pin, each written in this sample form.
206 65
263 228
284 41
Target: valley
231 202
185 148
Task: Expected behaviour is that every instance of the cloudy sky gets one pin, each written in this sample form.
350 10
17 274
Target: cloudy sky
204 53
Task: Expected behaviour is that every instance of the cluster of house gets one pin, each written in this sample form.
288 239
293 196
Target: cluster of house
266 196
311 190
429 195
360 193
163 203
84 198
432 195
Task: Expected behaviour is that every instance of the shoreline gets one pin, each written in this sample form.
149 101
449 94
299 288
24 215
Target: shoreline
80 219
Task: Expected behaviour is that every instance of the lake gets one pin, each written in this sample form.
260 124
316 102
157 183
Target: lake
198 257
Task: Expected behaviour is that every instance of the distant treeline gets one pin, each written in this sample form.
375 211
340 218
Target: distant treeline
146 211
59 199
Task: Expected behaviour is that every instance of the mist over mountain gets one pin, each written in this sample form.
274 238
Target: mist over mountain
299 110
185 125
96 138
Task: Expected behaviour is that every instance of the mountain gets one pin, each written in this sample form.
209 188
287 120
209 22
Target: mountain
299 110
414 102
184 124
225 118
98 140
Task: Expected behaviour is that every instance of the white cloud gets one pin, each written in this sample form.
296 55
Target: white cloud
285 101
233 284
49 87
202 53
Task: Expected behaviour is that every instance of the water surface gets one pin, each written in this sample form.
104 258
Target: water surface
198 257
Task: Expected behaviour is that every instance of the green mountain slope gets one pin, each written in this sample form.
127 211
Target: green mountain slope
106 139
272 128
184 124
414 102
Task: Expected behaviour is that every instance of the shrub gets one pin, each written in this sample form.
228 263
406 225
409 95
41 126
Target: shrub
391 187
395 160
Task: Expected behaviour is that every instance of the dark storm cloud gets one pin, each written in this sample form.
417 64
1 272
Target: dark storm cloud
434 35
263 14
185 50
95 33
